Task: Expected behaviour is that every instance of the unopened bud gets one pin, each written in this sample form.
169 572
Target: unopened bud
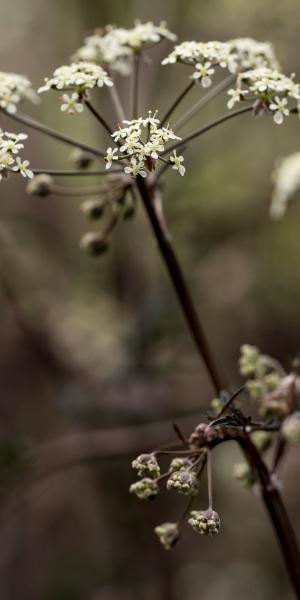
262 440
291 428
94 244
40 185
248 361
93 209
80 158
184 482
145 489
243 473
206 522
146 465
168 534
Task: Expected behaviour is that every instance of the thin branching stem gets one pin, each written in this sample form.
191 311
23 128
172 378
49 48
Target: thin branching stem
25 120
176 102
180 287
135 85
215 91
117 104
209 480
75 173
202 130
99 117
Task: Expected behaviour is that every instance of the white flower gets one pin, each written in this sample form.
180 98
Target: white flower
250 54
279 106
136 168
177 163
71 104
13 89
203 72
79 77
236 96
110 157
22 168
286 183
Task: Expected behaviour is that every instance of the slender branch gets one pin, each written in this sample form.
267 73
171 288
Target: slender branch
177 102
209 480
25 120
115 98
135 85
206 128
182 292
98 117
75 173
215 91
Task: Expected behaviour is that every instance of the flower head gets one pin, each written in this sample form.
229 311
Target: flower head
286 183
204 57
80 77
184 482
179 464
205 522
168 534
22 167
279 107
250 54
111 155
177 163
146 465
13 89
145 489
10 145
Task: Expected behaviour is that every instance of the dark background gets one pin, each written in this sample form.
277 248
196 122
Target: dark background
88 345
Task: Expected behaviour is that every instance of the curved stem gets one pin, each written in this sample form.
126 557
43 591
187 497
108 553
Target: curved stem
180 286
199 132
215 91
177 102
25 120
98 117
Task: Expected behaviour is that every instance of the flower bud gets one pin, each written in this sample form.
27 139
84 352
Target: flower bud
40 185
146 465
145 489
291 428
262 440
179 464
216 406
168 534
184 482
255 389
93 243
248 361
205 522
243 473
80 158
93 209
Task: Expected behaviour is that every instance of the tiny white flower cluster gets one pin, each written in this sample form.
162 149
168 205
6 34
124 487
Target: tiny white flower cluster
10 145
204 57
287 181
77 77
271 89
251 54
112 46
142 141
13 89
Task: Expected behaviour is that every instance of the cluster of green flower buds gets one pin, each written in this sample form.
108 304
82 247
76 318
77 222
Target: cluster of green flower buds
145 489
146 465
168 534
179 464
206 522
244 474
183 481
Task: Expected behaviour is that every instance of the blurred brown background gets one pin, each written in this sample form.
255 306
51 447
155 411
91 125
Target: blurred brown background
89 345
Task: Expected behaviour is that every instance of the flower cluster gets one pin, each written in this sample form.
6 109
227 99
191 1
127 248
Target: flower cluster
10 145
78 78
168 534
206 522
13 89
273 92
142 142
251 54
287 181
146 465
112 46
183 481
204 57
145 489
